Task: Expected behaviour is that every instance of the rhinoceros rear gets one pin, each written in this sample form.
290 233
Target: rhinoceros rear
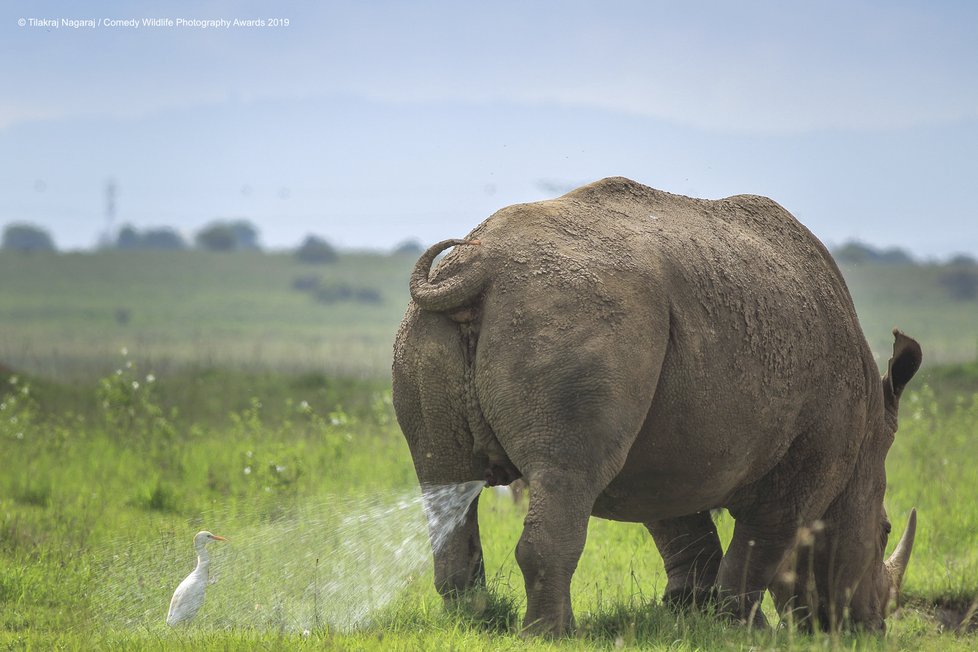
645 356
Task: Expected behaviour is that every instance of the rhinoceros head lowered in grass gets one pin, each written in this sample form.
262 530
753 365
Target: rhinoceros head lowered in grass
837 572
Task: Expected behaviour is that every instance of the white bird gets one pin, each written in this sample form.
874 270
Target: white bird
189 596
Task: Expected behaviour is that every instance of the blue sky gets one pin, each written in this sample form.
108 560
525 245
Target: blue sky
372 122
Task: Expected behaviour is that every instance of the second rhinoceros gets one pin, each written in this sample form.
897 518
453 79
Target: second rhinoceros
643 356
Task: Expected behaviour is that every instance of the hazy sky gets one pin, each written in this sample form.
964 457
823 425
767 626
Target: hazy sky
372 122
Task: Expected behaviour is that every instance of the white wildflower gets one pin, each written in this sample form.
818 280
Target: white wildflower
247 470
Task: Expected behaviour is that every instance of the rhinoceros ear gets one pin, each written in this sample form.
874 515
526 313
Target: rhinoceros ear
901 368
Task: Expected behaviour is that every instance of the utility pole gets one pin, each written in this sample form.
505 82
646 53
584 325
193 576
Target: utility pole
111 190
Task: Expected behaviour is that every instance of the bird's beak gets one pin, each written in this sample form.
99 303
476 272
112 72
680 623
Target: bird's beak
217 538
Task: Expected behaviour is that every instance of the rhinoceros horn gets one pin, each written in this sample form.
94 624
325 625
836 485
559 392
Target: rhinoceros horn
451 293
896 565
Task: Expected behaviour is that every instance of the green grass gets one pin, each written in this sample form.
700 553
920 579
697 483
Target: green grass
265 416
61 312
911 298
98 504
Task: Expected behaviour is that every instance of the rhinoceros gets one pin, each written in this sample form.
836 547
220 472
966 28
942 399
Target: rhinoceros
647 357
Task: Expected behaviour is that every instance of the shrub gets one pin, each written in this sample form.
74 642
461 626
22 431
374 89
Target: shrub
316 251
962 260
367 295
338 292
961 283
130 408
408 248
334 293
238 235
161 238
26 237
18 410
245 234
856 253
128 238
306 283
215 237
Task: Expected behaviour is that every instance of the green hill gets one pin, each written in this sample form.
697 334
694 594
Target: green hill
69 315
913 299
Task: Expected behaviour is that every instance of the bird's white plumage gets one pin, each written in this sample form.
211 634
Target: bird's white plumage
189 596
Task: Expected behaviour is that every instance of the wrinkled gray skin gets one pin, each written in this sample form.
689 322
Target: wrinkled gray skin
642 356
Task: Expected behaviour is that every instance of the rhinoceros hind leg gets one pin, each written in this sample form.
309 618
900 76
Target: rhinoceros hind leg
554 533
690 549
459 565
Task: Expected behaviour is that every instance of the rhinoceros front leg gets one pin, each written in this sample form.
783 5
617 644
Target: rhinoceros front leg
749 567
690 549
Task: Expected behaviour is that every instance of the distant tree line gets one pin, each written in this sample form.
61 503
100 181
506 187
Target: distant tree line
234 235
958 276
219 235
857 253
162 238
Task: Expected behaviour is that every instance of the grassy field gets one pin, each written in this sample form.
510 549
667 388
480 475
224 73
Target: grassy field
66 316
248 408
98 506
911 297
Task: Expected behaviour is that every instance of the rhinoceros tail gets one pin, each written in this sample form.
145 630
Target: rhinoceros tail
451 293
